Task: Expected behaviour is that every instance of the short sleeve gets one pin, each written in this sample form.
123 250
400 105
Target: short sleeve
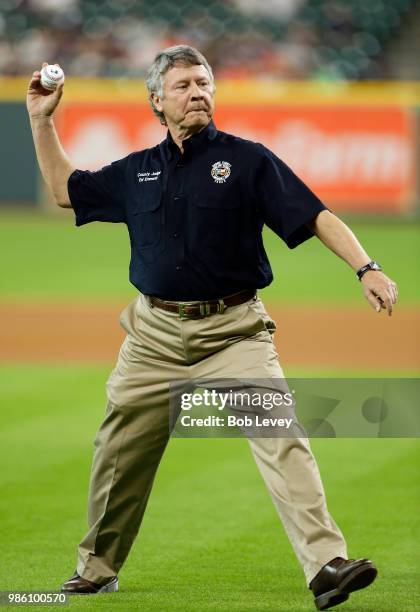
99 195
285 202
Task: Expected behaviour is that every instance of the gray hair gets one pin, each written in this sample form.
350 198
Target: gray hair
164 61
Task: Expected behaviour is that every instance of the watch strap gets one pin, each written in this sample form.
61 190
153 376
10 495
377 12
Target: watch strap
372 265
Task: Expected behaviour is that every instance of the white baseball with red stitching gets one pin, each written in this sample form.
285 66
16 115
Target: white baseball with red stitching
51 76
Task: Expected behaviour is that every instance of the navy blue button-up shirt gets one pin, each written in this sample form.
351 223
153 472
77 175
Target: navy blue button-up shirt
195 219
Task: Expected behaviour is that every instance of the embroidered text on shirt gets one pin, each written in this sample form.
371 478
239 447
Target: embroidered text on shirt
148 176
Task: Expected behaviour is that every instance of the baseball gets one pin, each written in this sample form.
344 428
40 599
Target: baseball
51 76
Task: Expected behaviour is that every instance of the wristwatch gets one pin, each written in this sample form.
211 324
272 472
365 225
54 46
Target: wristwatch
372 265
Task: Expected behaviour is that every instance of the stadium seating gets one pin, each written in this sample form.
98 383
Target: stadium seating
321 39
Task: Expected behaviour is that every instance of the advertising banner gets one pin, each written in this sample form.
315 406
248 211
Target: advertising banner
355 158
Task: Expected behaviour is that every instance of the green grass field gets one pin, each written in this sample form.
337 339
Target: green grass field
211 539
50 258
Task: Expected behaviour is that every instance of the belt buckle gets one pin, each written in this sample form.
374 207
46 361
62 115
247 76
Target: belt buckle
204 309
181 311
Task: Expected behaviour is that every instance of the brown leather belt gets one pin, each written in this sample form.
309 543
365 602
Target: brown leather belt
197 310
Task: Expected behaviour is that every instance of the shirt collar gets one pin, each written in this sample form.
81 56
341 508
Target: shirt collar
206 134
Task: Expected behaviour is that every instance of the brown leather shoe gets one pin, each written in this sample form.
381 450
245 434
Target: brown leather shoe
333 583
77 585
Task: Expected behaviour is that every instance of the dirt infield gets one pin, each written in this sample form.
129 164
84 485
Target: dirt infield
310 337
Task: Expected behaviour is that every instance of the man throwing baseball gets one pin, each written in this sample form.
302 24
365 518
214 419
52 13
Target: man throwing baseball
195 206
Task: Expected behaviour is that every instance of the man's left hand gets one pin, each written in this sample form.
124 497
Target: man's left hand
380 291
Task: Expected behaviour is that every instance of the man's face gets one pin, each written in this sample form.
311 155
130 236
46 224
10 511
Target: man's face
187 100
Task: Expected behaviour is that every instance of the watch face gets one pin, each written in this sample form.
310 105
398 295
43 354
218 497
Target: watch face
372 265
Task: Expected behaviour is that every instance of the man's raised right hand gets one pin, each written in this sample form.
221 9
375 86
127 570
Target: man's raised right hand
42 102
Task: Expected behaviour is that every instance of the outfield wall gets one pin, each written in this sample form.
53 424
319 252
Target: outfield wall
355 145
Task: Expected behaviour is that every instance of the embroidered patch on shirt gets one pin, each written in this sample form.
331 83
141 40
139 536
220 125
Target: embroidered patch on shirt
220 171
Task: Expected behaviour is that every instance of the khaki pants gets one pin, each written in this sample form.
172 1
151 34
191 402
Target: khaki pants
159 348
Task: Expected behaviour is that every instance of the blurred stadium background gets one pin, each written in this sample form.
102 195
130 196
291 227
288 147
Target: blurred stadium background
241 38
333 88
